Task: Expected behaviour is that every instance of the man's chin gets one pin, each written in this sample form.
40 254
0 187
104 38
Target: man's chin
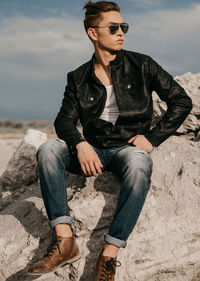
115 49
112 48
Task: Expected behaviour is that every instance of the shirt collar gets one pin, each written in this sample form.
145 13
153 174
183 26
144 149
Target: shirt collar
116 61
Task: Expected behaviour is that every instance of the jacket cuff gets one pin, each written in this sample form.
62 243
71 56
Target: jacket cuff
74 142
153 139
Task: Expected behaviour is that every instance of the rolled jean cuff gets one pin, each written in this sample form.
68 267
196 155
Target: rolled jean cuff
63 219
115 241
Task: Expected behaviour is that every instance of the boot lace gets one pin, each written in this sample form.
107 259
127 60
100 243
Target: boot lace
54 245
108 269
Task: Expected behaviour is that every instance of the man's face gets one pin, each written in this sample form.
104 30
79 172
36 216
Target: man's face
104 39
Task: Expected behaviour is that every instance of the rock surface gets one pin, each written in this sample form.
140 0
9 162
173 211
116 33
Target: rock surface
22 167
164 245
191 83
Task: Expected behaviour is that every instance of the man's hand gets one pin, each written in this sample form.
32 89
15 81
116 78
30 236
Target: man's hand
88 159
141 142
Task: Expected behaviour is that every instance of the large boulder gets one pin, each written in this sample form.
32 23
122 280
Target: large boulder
164 245
22 167
191 83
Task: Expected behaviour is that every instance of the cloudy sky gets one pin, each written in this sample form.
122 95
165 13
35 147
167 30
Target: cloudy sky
41 40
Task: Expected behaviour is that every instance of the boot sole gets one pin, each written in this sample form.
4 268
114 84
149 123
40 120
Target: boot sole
71 260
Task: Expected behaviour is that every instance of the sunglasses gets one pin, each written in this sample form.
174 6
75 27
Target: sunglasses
114 27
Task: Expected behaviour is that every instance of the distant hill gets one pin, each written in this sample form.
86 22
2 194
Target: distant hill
9 126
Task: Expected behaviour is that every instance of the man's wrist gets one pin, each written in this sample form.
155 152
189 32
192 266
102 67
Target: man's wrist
78 144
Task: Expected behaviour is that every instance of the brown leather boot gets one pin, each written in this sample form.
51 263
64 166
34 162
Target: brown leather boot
65 250
106 267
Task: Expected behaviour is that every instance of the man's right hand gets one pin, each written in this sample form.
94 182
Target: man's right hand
88 159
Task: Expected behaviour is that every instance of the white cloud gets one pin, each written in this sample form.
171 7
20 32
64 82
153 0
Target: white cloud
36 54
171 35
47 39
42 48
39 36
146 4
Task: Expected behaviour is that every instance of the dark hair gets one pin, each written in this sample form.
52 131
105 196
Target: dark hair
93 11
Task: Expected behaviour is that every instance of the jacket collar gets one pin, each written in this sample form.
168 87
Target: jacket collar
118 59
114 63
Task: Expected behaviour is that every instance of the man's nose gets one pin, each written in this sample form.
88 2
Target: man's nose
119 31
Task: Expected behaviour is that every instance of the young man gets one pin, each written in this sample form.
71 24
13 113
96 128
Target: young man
112 96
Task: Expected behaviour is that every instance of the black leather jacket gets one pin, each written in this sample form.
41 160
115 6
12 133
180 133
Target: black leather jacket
134 77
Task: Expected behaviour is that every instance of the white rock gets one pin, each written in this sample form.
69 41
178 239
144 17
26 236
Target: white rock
35 137
22 167
191 84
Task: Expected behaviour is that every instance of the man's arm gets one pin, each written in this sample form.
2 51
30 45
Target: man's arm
66 120
179 104
65 126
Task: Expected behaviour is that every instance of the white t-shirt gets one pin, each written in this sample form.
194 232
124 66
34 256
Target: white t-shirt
111 111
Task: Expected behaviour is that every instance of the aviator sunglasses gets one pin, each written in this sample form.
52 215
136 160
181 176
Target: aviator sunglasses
114 27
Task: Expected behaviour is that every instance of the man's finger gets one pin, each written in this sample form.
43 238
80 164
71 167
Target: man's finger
97 166
92 169
87 167
131 139
83 169
100 164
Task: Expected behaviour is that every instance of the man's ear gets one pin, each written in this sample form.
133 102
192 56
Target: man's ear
92 34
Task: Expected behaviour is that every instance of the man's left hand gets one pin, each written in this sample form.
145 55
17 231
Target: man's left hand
141 142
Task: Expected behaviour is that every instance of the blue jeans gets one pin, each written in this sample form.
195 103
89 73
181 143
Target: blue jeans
133 166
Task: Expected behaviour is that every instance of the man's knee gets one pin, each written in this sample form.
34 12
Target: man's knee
140 162
50 149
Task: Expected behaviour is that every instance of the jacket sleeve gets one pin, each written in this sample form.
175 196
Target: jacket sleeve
179 104
66 120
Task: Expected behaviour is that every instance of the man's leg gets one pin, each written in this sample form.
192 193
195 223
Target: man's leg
53 161
134 168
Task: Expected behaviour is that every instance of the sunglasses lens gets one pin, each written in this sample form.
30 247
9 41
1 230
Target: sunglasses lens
114 28
124 27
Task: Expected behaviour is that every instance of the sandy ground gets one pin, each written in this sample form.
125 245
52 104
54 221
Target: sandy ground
8 145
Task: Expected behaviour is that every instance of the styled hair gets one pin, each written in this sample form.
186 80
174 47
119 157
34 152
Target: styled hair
93 11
